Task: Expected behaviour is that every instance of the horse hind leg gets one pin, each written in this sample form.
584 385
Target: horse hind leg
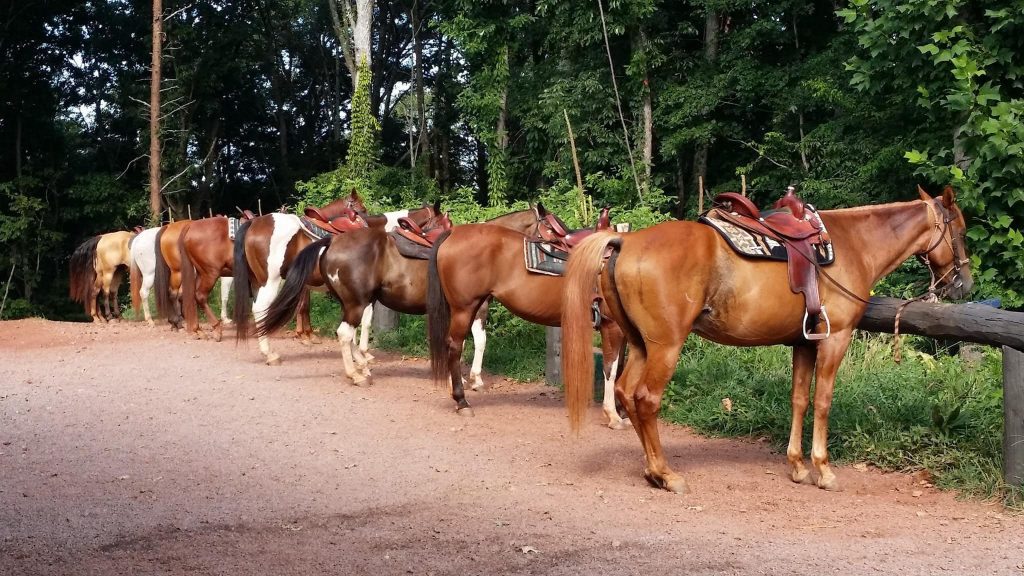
658 368
459 327
612 341
147 285
364 334
203 289
803 369
479 344
225 292
346 337
264 296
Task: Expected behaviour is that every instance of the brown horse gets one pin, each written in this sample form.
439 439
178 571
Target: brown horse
167 279
475 262
97 268
364 266
264 251
207 253
675 278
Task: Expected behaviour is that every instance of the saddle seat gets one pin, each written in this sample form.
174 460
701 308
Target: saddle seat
345 220
413 241
565 240
800 229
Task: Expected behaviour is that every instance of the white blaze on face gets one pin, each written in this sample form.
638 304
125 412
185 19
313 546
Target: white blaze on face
393 219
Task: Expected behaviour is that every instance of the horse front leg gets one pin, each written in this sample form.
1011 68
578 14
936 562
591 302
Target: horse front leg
364 334
612 342
803 369
264 297
830 355
225 292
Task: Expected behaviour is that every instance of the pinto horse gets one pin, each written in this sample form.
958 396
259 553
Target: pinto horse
664 282
97 267
364 266
476 262
264 251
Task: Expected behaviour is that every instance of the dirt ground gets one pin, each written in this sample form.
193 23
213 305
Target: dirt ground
129 450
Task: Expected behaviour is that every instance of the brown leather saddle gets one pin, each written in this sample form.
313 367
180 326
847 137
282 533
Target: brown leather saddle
416 242
337 217
553 231
796 226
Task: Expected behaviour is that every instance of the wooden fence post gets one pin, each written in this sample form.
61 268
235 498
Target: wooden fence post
1013 416
553 358
384 318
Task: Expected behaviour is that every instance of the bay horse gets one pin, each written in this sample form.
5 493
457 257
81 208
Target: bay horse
475 262
264 250
664 282
365 266
143 271
96 269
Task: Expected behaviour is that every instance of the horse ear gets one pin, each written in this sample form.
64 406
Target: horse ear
437 206
540 211
924 195
948 197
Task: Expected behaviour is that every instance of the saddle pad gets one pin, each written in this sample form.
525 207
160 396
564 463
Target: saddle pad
410 249
750 244
233 225
543 258
312 230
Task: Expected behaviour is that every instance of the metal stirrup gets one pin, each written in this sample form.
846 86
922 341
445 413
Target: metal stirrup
813 336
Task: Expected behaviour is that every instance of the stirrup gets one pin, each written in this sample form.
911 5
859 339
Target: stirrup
812 336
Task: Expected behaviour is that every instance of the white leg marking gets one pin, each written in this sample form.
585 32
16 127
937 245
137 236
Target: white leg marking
479 343
614 420
364 334
225 290
346 337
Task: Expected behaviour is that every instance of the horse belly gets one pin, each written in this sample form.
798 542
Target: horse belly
752 309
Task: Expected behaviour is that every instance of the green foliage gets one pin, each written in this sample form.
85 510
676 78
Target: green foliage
363 148
961 65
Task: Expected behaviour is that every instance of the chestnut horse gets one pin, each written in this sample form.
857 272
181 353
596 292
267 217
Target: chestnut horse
664 282
97 267
364 266
207 253
167 279
264 251
143 270
475 262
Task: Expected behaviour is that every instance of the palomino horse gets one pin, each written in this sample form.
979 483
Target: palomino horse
96 268
666 281
143 270
475 262
364 266
264 251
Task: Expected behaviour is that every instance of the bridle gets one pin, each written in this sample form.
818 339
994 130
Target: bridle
956 248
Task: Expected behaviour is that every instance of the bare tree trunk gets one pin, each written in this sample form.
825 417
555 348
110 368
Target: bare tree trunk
336 104
700 155
680 188
17 147
361 34
154 115
639 44
417 50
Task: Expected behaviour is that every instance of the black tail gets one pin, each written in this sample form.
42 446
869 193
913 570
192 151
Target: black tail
83 272
162 281
283 307
243 290
439 317
189 307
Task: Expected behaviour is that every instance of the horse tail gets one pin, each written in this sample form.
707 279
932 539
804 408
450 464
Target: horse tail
135 281
83 272
283 307
162 280
189 308
577 322
243 290
439 316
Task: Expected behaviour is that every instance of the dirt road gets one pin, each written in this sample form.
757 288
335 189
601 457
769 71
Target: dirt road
127 450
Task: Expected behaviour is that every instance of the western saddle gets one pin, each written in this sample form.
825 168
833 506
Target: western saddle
336 217
413 241
553 231
799 228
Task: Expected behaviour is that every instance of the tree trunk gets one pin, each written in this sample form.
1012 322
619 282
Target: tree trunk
639 44
154 115
361 35
700 155
680 188
417 50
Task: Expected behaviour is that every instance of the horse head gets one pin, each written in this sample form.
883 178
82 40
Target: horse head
946 255
355 202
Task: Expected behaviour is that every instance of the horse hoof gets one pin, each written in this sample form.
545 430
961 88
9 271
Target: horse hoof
314 339
621 424
218 336
362 382
802 477
227 321
302 341
151 324
830 484
367 356
466 412
273 360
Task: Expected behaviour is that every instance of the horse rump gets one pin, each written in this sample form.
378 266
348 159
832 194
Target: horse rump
283 307
83 272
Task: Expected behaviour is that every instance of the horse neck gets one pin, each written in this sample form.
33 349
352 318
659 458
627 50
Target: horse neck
904 229
522 222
